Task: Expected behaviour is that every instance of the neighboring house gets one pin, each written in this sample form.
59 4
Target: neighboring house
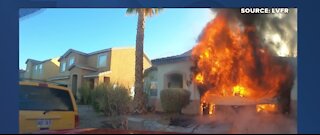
21 74
175 72
41 70
113 65
150 85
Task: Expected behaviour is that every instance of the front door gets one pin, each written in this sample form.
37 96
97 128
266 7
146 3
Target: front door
75 85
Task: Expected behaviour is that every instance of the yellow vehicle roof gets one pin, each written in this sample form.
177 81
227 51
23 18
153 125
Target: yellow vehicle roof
50 85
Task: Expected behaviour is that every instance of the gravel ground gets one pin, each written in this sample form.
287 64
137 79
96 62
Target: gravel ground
89 118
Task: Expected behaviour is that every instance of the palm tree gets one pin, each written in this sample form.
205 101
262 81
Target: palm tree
139 98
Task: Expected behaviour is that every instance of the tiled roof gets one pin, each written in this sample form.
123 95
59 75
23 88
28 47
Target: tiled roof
22 71
59 77
82 67
172 59
92 53
33 61
97 52
70 51
187 55
36 61
96 74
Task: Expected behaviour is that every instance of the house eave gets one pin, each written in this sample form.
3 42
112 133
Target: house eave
59 78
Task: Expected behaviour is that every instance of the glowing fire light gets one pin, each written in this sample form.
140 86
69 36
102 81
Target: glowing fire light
211 109
199 78
231 61
266 108
239 91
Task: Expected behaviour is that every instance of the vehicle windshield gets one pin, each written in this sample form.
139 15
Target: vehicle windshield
44 99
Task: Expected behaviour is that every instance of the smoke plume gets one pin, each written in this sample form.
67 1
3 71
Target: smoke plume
276 31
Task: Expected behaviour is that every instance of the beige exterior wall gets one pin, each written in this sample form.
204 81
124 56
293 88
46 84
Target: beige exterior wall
182 68
29 69
80 80
79 59
49 69
120 63
93 61
123 66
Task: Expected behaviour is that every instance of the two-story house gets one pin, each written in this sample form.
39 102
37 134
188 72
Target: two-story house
113 65
41 70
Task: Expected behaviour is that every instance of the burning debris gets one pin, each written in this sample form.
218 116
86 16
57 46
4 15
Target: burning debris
233 62
267 108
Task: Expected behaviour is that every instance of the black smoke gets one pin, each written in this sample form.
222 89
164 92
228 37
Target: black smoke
285 25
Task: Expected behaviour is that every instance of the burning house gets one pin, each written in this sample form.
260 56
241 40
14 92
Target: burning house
177 72
231 66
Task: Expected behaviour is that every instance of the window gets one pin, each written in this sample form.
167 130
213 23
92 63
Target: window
35 68
153 89
40 68
102 61
175 81
43 98
106 80
71 61
63 66
28 69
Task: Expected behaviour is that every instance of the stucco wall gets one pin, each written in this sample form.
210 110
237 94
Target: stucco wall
51 68
181 68
93 59
29 70
123 66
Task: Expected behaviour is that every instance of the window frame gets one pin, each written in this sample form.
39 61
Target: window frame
35 68
40 69
71 58
98 61
63 65
174 78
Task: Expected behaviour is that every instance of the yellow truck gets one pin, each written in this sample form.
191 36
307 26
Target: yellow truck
46 106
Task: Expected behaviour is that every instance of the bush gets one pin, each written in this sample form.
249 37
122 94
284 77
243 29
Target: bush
111 100
173 100
85 94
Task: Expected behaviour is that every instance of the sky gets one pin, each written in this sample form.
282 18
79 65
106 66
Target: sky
51 32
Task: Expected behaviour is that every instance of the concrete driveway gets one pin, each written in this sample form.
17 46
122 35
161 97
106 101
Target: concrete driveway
89 118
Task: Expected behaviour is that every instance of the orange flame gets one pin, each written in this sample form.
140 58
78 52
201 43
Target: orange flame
211 109
230 61
199 78
239 91
266 108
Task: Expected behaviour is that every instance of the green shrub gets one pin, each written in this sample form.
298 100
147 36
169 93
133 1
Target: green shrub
174 99
85 94
99 96
111 100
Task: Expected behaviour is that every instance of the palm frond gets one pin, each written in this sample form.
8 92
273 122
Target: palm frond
132 11
147 11
152 11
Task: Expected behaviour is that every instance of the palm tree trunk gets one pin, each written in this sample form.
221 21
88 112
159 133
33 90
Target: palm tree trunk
139 100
